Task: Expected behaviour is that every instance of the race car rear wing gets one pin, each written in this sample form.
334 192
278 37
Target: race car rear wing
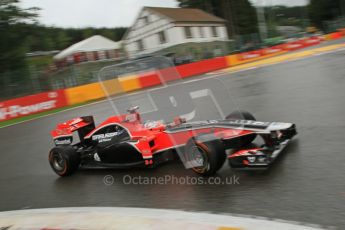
63 134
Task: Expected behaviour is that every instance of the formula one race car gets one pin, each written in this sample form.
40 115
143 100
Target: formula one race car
126 141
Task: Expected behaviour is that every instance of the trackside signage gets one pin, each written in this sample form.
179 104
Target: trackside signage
32 104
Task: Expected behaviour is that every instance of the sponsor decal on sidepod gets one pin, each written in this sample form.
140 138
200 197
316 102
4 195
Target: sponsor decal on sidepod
104 137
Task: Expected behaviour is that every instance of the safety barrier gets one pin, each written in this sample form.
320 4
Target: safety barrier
202 67
334 36
84 93
242 58
157 77
32 104
342 31
129 83
76 95
149 79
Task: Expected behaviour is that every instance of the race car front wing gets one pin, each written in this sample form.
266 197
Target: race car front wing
262 157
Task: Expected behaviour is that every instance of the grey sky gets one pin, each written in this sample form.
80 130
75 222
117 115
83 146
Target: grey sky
95 13
106 13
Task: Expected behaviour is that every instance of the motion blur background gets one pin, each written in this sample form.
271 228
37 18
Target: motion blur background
283 60
33 32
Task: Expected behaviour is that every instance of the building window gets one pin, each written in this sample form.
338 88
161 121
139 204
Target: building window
201 31
140 45
188 32
214 31
162 38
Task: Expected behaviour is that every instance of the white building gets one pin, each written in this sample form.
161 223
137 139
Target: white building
157 28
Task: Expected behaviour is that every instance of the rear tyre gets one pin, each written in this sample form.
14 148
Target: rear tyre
243 115
210 154
64 160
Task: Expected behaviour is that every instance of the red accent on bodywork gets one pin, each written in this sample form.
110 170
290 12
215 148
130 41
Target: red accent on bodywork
162 139
244 151
68 127
149 141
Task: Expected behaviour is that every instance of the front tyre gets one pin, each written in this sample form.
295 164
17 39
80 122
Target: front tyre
243 115
240 115
64 160
209 155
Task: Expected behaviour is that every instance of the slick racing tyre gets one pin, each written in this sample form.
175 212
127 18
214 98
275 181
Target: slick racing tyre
208 154
243 115
64 160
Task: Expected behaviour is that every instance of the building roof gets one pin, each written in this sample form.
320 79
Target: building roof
186 15
94 43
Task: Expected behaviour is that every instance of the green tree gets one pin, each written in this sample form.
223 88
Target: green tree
62 40
205 5
88 32
325 10
12 43
12 40
239 14
245 17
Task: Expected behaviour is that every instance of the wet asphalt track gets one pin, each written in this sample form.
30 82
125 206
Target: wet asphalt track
306 184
